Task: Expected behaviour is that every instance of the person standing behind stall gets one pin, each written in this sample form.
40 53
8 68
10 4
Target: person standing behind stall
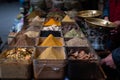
112 13
21 2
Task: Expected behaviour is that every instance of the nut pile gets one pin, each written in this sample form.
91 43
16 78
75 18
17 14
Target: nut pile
81 55
19 54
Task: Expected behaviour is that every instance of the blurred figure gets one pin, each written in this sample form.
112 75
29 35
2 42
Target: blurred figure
21 2
112 13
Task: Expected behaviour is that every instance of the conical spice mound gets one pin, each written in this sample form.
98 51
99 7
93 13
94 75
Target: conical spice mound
51 41
51 53
33 14
36 19
24 40
52 22
72 33
67 19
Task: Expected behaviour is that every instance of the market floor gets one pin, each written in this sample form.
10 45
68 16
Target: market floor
8 12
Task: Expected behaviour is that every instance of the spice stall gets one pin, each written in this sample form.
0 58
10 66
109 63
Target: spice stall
50 47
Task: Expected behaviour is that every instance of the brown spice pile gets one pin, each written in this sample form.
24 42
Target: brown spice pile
24 40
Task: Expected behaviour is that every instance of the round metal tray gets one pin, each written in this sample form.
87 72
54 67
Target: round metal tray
100 22
89 13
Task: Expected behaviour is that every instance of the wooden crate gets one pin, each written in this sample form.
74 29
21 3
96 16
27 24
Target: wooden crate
15 68
49 68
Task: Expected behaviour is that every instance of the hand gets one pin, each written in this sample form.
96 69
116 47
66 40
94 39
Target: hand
117 23
115 31
108 61
106 18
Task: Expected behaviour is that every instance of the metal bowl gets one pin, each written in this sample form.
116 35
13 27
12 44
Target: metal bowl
89 13
100 22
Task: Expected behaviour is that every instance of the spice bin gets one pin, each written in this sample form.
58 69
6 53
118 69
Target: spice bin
49 68
13 67
83 66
